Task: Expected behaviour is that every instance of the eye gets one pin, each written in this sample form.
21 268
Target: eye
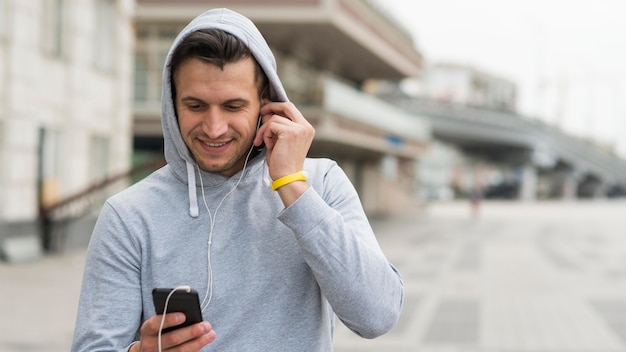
233 107
195 107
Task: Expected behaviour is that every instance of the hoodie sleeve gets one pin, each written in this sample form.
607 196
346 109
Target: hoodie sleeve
110 304
337 241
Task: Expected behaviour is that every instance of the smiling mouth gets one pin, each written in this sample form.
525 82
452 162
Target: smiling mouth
215 145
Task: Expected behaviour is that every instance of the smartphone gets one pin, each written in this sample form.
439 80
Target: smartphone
180 301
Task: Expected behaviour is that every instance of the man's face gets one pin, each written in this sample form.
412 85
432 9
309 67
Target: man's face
217 112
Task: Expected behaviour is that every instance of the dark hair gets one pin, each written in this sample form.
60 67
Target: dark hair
218 48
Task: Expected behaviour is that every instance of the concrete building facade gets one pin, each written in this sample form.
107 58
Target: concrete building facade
327 51
80 85
464 85
65 107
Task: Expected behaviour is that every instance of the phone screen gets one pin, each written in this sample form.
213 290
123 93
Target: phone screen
180 301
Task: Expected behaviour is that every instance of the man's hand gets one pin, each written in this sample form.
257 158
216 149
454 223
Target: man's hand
190 338
288 137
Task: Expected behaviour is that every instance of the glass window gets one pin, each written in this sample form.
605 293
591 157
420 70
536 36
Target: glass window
168 34
50 153
153 44
3 18
141 77
3 147
49 159
105 35
98 158
52 38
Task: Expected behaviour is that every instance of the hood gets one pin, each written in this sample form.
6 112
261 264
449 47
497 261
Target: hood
177 155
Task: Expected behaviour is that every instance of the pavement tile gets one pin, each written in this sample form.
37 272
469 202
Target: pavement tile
520 277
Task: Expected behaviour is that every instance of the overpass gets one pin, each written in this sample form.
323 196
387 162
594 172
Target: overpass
326 51
575 166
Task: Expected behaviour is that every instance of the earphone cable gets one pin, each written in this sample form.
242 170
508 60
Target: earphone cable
167 302
212 217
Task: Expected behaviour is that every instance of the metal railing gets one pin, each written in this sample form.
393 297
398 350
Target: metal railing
56 217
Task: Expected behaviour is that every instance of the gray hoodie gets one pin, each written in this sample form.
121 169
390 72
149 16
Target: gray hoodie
272 279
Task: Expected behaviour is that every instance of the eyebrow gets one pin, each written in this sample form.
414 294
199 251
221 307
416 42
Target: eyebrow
237 100
192 99
229 101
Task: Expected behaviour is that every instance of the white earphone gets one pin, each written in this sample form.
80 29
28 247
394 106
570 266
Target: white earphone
209 292
167 301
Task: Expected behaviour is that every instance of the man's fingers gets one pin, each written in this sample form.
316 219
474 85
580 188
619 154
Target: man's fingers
193 334
283 109
171 319
193 337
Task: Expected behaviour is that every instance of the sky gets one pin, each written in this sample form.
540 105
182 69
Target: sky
568 58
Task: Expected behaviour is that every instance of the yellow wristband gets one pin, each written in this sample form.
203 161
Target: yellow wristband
285 180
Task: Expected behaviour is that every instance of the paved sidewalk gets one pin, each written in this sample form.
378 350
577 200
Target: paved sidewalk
545 277
38 303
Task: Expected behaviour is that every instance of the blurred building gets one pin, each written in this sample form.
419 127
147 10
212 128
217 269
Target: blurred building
493 148
65 107
77 113
464 85
327 50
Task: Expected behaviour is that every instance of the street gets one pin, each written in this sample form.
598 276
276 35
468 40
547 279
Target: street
519 277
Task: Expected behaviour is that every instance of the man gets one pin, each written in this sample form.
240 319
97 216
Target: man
279 244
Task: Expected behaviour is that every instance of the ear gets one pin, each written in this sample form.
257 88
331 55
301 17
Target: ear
258 124
265 93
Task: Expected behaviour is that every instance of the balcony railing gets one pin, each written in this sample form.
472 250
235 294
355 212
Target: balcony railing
338 98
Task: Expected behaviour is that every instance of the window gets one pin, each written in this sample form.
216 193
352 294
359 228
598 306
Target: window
98 164
3 148
153 44
3 18
50 153
105 35
142 83
4 194
98 158
53 37
49 168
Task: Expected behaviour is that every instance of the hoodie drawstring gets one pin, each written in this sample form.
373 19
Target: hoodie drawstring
191 184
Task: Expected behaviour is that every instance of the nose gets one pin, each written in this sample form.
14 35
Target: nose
214 124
